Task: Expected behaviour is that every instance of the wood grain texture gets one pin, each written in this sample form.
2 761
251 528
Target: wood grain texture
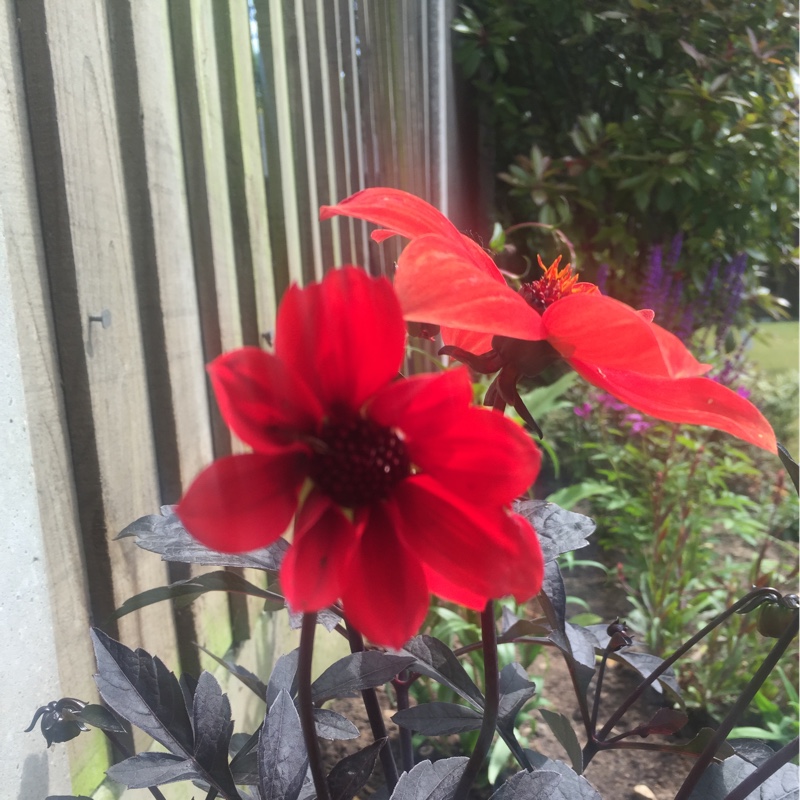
50 447
90 266
280 142
154 178
253 166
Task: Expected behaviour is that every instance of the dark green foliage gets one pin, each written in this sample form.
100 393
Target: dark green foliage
628 123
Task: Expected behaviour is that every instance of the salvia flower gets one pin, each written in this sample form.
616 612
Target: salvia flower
395 488
485 323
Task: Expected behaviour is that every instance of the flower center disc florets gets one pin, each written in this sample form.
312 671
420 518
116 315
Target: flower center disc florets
359 461
552 286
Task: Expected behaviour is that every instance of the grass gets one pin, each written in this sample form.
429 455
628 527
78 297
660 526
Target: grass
776 346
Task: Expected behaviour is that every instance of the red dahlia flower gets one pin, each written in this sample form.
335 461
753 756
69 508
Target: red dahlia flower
397 488
445 278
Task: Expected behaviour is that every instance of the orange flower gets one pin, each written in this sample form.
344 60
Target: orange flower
445 278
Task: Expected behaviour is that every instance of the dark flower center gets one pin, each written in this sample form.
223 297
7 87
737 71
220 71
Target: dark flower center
359 461
541 294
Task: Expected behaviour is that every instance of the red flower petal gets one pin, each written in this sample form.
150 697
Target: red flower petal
418 406
438 284
698 401
602 331
454 592
402 213
386 596
680 362
475 547
479 454
261 398
244 502
472 451
345 336
324 539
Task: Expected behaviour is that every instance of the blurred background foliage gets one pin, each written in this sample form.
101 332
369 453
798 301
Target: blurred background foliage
628 123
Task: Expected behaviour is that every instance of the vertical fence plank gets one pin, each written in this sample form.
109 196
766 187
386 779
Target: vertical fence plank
162 250
352 127
294 47
218 284
316 93
275 40
286 257
254 189
69 85
229 101
46 419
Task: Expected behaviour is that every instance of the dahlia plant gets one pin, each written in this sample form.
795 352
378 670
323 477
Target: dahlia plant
365 491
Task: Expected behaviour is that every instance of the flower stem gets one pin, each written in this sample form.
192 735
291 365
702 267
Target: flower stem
601 671
401 687
665 665
492 694
306 706
375 716
739 706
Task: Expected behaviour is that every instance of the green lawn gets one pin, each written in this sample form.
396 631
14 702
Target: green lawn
776 346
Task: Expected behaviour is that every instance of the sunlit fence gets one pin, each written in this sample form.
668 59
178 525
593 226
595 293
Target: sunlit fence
162 167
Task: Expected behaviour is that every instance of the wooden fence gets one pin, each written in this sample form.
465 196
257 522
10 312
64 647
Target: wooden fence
163 162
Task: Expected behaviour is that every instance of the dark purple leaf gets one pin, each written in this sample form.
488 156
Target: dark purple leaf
643 663
720 779
515 691
434 659
327 618
250 680
99 717
429 781
282 757
572 786
554 591
665 721
438 719
528 627
243 748
698 744
211 720
152 769
190 589
355 672
188 684
565 733
646 663
143 691
330 725
560 531
507 619
284 676
350 775
538 785
752 750
790 465
166 536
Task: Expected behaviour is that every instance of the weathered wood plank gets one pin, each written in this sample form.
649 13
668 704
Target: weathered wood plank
218 285
252 165
352 126
297 113
44 414
281 144
69 86
286 259
316 94
162 250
